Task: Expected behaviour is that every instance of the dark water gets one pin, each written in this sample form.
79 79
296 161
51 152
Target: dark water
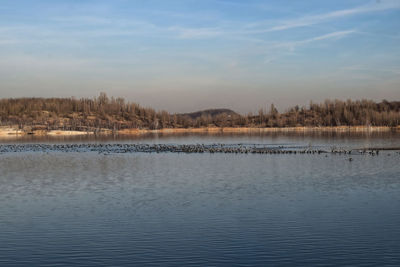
90 209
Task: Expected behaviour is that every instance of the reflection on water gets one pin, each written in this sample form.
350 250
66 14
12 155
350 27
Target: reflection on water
200 209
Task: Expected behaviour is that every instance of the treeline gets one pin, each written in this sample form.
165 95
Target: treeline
115 114
333 113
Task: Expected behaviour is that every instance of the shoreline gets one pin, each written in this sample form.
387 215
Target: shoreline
13 132
262 130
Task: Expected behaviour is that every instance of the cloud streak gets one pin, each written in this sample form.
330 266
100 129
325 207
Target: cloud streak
294 44
316 19
195 33
129 27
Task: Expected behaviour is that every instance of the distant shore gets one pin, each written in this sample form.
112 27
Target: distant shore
12 132
262 130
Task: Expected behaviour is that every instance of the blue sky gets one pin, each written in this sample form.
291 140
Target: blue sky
194 54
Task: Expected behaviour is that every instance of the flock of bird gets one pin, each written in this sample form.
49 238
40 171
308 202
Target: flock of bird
179 148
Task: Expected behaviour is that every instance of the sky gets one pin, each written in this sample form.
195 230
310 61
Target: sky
187 55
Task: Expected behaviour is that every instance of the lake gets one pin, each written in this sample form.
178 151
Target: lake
86 208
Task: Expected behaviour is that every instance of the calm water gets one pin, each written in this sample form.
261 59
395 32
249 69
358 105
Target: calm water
61 209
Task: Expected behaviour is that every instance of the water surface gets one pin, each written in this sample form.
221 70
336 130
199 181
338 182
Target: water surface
61 209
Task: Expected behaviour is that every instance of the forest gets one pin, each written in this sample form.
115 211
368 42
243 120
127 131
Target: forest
102 112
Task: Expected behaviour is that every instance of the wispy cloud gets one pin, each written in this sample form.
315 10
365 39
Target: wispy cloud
89 20
108 26
333 35
195 33
315 19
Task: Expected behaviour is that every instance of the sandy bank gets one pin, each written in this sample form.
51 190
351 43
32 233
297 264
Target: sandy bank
6 131
12 132
67 133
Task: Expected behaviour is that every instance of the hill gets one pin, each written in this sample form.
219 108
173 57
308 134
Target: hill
209 112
